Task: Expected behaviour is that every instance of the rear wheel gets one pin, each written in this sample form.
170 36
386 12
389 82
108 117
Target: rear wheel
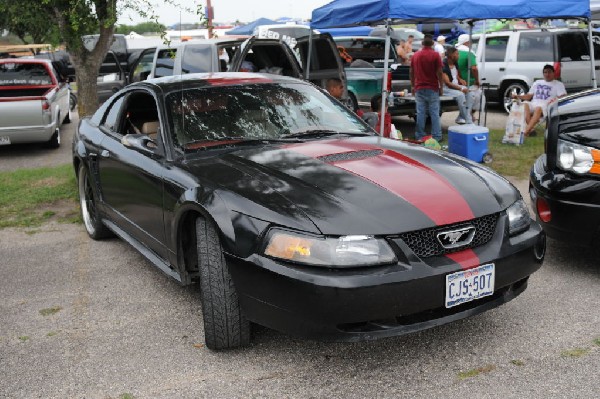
513 87
54 141
224 324
89 211
68 117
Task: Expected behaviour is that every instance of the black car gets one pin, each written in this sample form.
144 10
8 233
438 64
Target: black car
292 213
565 181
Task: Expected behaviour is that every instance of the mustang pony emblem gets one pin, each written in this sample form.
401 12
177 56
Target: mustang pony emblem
456 238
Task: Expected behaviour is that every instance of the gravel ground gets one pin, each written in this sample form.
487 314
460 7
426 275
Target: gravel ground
120 326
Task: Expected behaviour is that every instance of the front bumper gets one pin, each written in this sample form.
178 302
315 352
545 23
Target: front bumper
574 203
368 303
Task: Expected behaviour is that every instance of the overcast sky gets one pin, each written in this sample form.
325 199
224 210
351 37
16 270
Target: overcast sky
231 10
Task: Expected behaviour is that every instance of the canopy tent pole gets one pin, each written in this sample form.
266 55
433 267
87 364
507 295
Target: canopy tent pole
384 92
592 55
310 45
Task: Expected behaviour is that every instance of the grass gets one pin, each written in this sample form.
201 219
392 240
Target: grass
475 372
31 197
514 160
517 362
577 352
596 342
50 311
23 338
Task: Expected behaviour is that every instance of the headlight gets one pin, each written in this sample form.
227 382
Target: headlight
339 252
578 158
518 217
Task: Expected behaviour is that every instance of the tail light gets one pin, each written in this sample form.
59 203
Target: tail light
45 105
557 68
389 82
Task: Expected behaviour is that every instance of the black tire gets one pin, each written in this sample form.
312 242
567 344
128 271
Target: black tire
224 324
68 117
518 87
54 141
72 101
89 211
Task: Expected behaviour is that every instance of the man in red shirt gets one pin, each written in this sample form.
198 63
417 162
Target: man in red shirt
427 83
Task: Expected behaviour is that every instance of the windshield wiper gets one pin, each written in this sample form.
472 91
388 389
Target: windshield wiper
321 133
232 141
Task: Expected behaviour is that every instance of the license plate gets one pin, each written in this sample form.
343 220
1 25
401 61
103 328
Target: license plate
4 140
468 285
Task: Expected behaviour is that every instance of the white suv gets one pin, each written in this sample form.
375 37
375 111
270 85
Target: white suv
515 59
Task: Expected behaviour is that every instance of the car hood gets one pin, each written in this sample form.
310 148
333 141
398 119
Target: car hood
363 185
580 117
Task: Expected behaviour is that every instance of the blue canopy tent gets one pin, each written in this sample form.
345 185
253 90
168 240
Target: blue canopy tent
249 28
349 31
343 13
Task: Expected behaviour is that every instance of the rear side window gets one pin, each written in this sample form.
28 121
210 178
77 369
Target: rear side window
536 46
164 63
573 46
368 50
596 41
197 59
495 49
15 74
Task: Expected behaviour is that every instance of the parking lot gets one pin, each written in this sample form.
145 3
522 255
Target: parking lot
93 319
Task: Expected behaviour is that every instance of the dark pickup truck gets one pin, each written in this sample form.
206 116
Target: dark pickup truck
364 62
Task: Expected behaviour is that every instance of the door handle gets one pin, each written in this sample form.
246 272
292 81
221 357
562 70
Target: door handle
502 69
105 154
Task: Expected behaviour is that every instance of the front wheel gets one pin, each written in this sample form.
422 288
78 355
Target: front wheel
513 87
89 211
224 324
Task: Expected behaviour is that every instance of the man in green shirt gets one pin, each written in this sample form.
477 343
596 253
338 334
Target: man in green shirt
467 58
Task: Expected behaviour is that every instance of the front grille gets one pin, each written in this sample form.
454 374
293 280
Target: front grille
424 242
350 156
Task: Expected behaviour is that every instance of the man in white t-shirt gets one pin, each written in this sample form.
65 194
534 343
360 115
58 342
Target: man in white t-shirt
541 94
439 46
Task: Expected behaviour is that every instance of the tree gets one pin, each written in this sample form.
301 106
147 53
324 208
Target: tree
76 18
141 28
25 23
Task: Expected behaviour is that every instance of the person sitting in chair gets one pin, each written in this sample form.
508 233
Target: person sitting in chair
456 87
541 94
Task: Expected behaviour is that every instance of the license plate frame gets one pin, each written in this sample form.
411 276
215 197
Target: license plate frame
468 285
4 140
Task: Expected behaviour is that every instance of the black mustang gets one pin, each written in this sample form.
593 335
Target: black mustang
293 214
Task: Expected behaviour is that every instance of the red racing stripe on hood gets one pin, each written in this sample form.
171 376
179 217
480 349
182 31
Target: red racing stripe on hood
409 179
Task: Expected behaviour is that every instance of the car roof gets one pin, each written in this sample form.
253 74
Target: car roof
535 30
208 42
370 38
221 79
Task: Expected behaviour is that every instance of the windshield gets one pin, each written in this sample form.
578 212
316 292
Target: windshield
269 111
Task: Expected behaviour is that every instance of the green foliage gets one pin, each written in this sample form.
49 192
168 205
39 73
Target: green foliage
29 22
28 197
141 28
50 311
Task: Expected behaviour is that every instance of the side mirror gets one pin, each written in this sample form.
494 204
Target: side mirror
141 143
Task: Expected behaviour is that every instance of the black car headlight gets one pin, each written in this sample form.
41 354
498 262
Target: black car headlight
577 158
518 217
337 252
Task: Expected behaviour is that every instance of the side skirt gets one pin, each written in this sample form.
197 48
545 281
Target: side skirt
151 256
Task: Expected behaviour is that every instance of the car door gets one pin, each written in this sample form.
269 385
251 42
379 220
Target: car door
574 55
111 77
266 55
494 69
132 181
141 67
325 60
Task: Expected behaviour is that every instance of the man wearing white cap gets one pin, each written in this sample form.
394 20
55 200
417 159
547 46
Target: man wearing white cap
439 46
467 67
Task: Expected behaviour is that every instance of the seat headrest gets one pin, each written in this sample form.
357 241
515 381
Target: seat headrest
150 127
